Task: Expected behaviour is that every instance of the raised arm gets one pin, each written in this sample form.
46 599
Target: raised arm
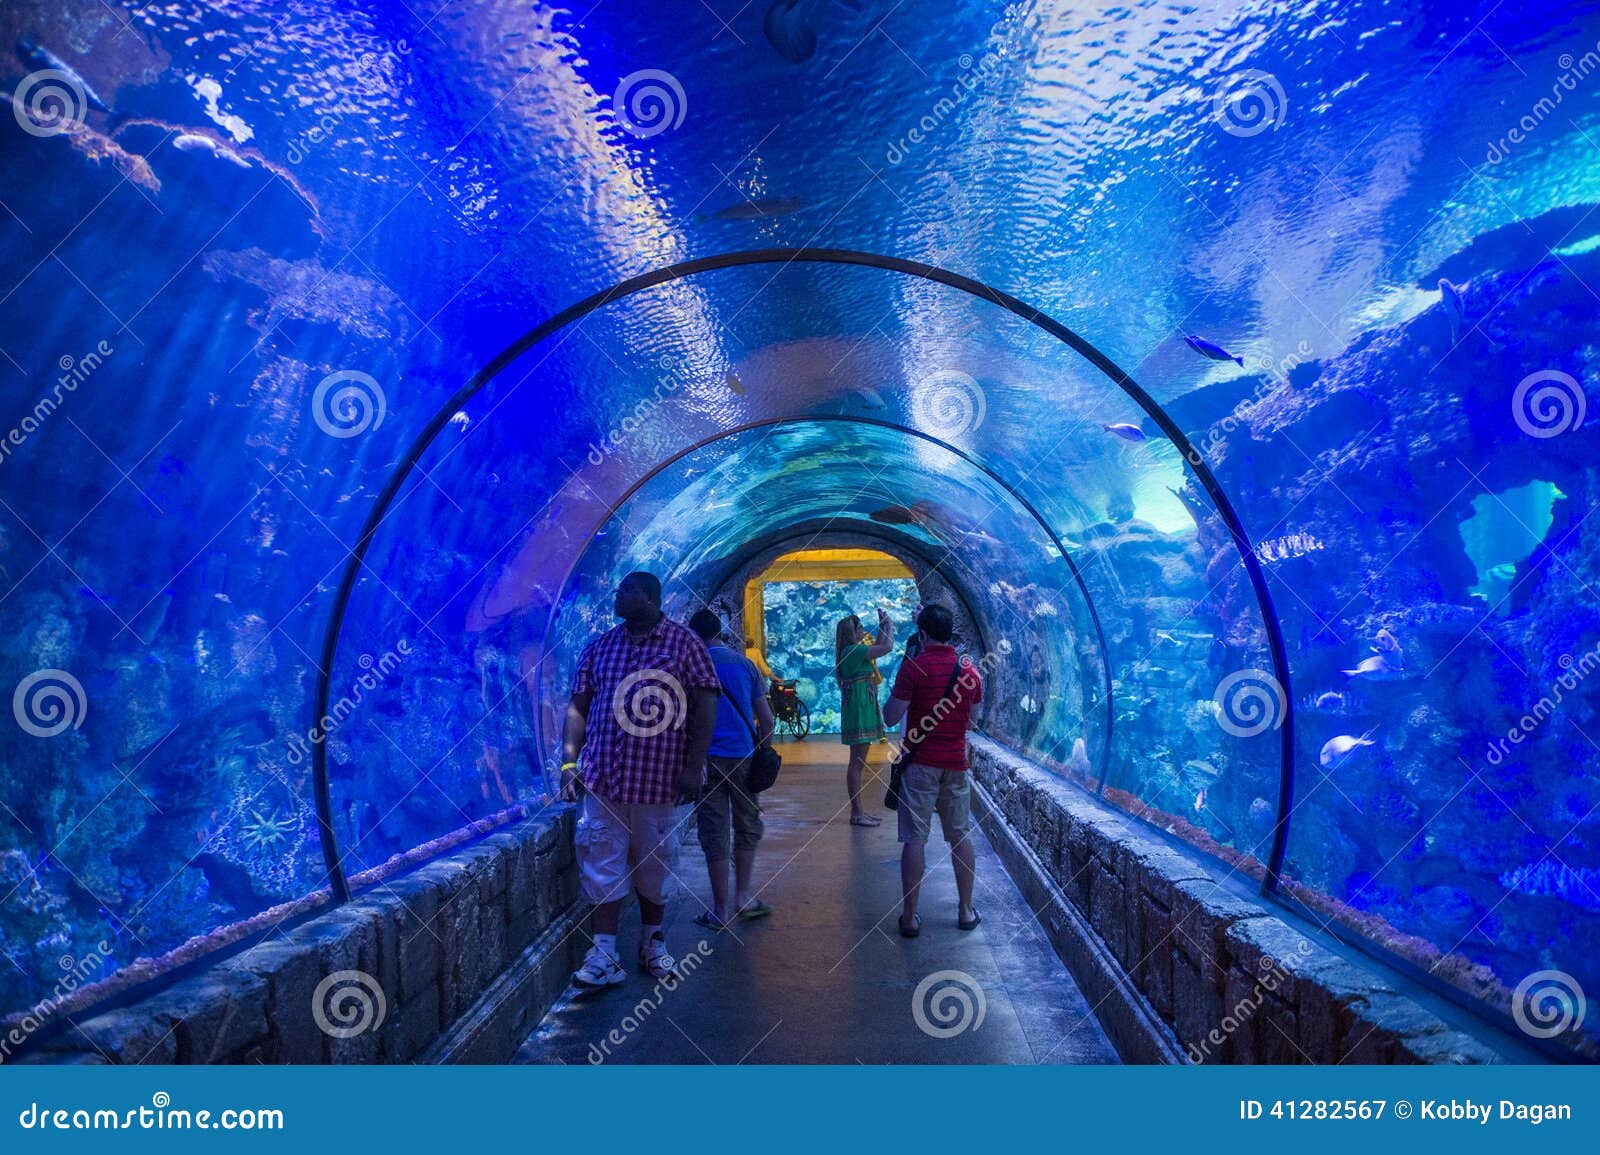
884 642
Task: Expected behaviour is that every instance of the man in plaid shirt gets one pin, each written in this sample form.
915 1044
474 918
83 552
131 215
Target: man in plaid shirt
644 701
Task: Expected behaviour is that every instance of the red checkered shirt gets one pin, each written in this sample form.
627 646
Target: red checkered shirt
643 693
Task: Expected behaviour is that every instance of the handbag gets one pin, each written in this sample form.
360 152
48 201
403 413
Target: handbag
765 762
897 769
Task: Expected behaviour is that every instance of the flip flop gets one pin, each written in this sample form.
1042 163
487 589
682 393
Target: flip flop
757 909
865 820
916 927
966 924
708 920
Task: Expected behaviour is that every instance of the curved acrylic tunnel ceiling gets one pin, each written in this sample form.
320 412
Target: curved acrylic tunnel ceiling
712 407
389 198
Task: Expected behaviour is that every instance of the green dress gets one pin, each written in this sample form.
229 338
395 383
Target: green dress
860 723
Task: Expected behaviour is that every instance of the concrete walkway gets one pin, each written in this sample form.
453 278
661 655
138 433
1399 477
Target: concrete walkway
827 978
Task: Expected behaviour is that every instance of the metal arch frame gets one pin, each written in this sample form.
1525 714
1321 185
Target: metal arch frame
842 419
781 256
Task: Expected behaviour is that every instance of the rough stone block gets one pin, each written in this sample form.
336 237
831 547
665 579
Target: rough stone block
1155 956
1108 909
1197 1007
411 1027
216 1014
126 1036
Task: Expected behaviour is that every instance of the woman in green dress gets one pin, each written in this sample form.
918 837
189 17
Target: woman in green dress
860 721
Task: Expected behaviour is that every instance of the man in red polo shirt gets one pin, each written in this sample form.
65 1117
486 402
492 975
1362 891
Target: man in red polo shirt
935 692
644 700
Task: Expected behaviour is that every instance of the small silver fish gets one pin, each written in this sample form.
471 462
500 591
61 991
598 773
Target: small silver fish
1211 350
1378 668
197 142
756 209
1338 750
1386 643
1331 700
1455 309
460 419
1125 431
1080 757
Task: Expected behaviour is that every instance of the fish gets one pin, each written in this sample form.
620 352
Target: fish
789 31
894 515
736 385
1211 349
1504 572
1378 668
1079 762
1338 750
1454 307
1200 801
871 398
198 142
1125 431
1385 643
1331 700
37 56
460 420
756 209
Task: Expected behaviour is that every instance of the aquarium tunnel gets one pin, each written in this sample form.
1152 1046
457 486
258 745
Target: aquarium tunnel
1201 362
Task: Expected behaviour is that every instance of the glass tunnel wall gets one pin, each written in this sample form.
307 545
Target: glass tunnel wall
238 337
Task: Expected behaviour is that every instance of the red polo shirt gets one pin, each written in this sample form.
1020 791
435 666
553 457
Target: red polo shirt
922 682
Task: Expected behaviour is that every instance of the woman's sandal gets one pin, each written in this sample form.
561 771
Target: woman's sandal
969 924
865 820
757 909
915 929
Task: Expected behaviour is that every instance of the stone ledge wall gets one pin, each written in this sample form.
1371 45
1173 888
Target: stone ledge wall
1233 980
431 942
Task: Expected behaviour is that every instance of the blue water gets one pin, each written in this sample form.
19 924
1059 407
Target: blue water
231 307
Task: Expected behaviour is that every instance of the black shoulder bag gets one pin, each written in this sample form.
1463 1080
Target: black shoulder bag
897 771
765 762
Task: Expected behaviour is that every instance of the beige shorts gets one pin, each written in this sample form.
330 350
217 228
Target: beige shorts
624 846
925 789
